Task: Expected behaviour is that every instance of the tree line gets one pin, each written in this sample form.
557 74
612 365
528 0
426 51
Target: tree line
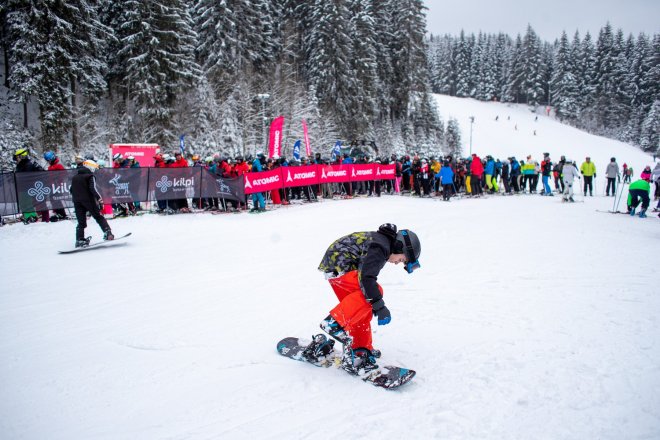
85 73
610 86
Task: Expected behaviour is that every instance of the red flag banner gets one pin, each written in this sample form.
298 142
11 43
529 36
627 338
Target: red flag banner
300 176
264 181
308 147
275 142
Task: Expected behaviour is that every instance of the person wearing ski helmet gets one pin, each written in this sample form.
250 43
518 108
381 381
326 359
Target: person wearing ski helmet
351 265
55 165
25 164
640 191
86 198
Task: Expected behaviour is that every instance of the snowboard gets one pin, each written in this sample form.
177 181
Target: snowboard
388 377
97 245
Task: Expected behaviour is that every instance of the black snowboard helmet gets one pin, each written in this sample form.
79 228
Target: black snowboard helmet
407 243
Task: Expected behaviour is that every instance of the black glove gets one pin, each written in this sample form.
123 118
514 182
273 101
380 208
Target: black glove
382 312
594 175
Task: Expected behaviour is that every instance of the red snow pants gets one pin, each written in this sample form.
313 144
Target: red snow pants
353 312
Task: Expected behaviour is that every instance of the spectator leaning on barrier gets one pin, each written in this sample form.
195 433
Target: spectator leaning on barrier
24 164
55 165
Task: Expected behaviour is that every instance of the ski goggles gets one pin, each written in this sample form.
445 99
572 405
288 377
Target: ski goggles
412 263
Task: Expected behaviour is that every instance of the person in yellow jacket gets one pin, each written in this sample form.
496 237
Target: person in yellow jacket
588 170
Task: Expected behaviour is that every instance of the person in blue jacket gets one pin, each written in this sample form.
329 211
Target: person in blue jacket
446 176
258 202
489 171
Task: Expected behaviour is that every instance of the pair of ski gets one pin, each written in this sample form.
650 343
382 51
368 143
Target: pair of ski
388 377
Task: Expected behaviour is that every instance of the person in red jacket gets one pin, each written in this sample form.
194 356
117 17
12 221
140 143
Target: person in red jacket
55 165
476 170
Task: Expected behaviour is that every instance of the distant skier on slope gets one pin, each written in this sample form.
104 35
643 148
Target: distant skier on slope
86 198
351 264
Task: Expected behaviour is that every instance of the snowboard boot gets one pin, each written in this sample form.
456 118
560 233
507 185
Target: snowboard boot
360 362
319 348
83 243
332 327
107 235
642 213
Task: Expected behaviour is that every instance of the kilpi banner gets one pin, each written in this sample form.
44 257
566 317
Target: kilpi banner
43 190
174 183
8 202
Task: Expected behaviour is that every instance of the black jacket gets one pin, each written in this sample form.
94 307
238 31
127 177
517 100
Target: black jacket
83 187
27 165
366 252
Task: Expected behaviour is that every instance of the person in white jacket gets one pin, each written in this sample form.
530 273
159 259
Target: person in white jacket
569 172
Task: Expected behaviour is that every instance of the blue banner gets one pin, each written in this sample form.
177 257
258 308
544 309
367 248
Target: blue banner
296 150
336 151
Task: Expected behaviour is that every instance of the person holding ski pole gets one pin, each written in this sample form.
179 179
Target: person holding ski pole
351 265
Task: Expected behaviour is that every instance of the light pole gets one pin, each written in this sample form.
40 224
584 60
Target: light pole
263 97
471 122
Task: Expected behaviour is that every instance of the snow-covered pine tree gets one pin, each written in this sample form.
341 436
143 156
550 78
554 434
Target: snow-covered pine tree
514 76
563 85
408 50
533 68
158 49
54 48
453 138
650 132
462 63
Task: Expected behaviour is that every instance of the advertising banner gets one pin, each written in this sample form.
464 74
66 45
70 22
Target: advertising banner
43 190
122 185
174 183
300 176
275 141
385 172
361 172
264 181
143 153
308 147
8 202
334 173
214 186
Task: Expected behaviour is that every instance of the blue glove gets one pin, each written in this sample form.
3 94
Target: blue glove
382 312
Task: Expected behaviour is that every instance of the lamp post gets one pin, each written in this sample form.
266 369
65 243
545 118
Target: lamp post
263 97
471 122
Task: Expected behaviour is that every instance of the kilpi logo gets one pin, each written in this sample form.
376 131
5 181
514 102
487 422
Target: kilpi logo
120 186
39 191
164 184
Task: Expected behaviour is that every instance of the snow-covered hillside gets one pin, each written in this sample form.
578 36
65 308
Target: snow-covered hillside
529 318
504 130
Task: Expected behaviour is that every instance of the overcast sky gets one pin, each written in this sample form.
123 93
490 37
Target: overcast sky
547 17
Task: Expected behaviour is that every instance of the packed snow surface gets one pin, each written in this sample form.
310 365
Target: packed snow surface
529 319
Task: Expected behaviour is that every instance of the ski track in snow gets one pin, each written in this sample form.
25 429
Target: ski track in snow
529 318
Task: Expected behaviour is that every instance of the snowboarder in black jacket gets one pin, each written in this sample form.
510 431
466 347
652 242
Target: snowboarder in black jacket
86 198
352 264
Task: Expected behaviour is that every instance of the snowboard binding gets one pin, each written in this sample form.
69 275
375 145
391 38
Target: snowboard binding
318 349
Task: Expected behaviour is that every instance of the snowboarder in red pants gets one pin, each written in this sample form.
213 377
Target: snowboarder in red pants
351 265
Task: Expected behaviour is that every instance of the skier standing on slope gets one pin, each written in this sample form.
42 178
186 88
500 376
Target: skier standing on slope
86 198
351 264
569 172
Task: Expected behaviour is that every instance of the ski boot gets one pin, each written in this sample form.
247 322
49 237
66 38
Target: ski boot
318 349
108 236
332 327
83 243
642 213
359 362
632 212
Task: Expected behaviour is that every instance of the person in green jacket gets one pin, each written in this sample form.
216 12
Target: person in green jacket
639 189
588 170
